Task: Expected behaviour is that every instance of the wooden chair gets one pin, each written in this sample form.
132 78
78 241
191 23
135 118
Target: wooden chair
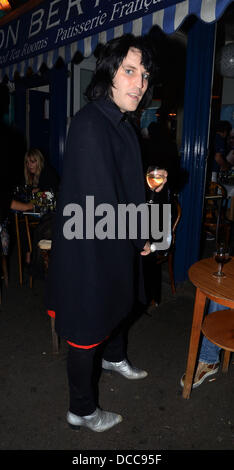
218 327
19 219
169 257
214 219
152 275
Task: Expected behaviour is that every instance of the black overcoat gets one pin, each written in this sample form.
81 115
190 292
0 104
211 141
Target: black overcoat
92 283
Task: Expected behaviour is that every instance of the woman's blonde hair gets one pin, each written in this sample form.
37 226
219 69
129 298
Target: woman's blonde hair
36 155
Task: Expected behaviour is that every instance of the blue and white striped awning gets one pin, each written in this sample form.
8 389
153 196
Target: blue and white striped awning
168 19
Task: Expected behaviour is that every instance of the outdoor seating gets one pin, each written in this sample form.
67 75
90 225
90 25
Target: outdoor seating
218 327
153 264
24 219
215 221
169 257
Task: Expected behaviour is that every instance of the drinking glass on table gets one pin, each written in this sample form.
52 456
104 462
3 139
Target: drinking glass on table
154 179
221 256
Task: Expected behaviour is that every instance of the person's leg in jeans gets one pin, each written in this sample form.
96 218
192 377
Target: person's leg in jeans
209 353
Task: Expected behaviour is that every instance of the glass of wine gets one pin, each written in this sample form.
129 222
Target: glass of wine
154 179
221 256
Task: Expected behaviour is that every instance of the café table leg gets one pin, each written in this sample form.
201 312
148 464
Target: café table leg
28 233
226 361
18 248
198 313
29 244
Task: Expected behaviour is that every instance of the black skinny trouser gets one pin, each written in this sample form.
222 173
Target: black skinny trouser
82 377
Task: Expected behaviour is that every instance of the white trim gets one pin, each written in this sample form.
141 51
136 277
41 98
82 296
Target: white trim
208 9
88 46
182 10
158 17
118 31
137 27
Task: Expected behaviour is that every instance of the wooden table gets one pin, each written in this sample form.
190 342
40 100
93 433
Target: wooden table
220 291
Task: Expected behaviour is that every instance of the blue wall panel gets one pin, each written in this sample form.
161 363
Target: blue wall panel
199 70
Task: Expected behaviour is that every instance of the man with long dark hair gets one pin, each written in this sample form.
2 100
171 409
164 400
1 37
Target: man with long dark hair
94 279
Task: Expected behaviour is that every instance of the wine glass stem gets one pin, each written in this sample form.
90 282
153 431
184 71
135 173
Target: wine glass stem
220 268
151 197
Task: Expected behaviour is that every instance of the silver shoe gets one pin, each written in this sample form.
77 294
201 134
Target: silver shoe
125 369
98 421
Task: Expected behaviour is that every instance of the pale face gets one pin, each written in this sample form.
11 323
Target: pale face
32 165
130 82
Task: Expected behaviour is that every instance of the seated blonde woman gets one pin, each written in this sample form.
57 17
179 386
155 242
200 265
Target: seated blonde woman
33 166
37 172
41 177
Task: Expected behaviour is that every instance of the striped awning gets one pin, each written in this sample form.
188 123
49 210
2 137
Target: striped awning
168 19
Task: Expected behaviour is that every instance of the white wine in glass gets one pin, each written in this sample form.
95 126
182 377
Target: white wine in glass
154 178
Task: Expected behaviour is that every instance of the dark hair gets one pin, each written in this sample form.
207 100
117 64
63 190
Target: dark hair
223 126
111 56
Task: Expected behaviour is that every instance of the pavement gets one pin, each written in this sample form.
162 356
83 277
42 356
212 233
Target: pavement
34 393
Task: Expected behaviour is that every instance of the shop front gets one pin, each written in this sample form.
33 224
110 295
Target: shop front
46 58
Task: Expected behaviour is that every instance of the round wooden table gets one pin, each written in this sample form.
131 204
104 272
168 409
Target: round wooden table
220 290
